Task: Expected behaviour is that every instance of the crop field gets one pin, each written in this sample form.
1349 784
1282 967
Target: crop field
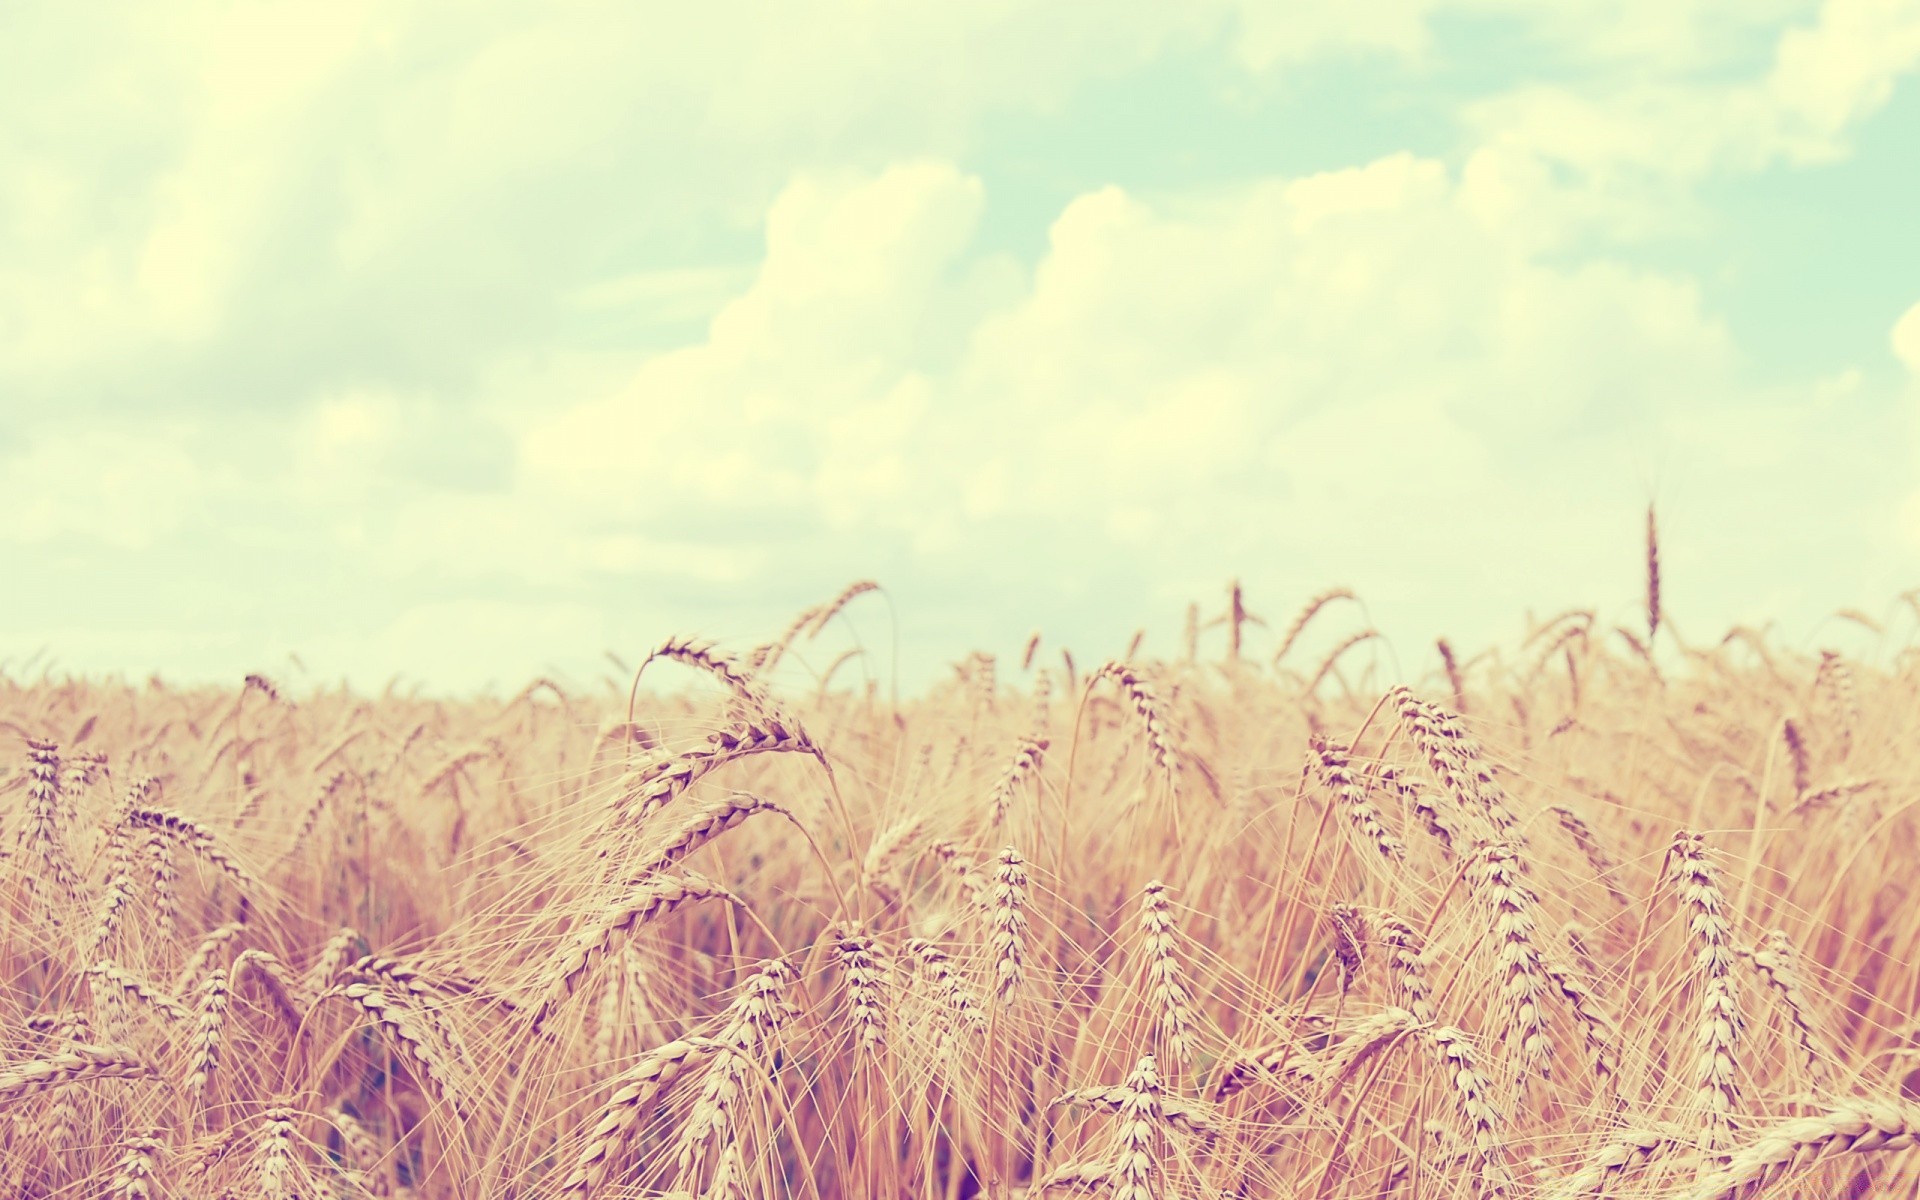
1599 911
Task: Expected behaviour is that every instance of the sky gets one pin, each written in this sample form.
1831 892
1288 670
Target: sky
464 342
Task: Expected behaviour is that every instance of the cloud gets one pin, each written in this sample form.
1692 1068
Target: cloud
1620 153
1905 339
587 310
251 205
113 488
1177 389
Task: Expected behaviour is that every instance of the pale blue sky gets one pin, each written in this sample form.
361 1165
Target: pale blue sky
465 342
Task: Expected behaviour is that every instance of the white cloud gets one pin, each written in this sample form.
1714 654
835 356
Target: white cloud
805 385
120 488
315 152
1179 387
408 247
1905 339
1825 77
1831 74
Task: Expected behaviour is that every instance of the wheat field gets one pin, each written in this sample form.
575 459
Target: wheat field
1603 911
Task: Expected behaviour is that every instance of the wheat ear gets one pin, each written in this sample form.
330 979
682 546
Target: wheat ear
1779 964
1718 1022
866 971
752 1021
633 1096
137 1177
205 1042
647 902
1147 706
403 1026
1167 990
78 1064
1370 833
1520 967
1305 615
45 814
1178 1114
289 997
1007 919
1026 761
1456 761
190 834
1622 1154
1601 863
963 1013
656 785
709 822
273 1154
703 656
1472 1096
1136 1167
1349 930
1406 965
116 981
1790 1145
